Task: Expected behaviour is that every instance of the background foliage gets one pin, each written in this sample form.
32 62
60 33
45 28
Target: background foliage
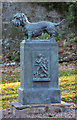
68 9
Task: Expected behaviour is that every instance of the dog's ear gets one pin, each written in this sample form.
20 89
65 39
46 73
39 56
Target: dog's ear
24 19
22 15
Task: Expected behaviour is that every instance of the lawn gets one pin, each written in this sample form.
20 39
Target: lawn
11 83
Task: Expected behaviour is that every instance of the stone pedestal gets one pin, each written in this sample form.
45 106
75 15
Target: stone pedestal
39 72
20 111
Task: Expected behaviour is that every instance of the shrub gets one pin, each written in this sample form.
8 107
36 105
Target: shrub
45 36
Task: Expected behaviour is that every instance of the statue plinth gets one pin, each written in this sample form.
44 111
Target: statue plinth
39 72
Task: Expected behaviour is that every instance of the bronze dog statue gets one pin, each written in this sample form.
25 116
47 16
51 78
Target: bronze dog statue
34 29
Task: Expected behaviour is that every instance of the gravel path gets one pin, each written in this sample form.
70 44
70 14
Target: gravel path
62 66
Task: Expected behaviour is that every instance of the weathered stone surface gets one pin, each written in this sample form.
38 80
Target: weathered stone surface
19 109
39 72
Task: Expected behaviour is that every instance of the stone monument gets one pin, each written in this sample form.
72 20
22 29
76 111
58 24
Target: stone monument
39 73
39 63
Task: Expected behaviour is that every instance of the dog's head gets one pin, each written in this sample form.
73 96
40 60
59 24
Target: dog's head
19 19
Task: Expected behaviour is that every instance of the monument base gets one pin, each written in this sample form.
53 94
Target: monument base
39 96
18 109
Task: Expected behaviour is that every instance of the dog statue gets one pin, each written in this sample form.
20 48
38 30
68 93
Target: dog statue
34 29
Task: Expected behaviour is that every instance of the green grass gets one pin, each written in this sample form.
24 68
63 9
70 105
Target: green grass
11 83
10 77
67 73
68 85
9 93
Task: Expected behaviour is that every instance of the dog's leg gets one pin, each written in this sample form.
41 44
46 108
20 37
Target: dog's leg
53 34
29 36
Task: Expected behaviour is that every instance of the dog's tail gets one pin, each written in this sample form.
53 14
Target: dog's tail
56 24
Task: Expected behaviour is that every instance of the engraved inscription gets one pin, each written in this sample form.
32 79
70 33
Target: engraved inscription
41 64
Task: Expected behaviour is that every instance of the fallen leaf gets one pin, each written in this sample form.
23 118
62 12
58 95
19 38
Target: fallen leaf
35 113
12 85
62 115
73 106
9 112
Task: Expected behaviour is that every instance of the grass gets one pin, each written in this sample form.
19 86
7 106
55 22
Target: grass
9 93
11 83
67 73
67 85
10 77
